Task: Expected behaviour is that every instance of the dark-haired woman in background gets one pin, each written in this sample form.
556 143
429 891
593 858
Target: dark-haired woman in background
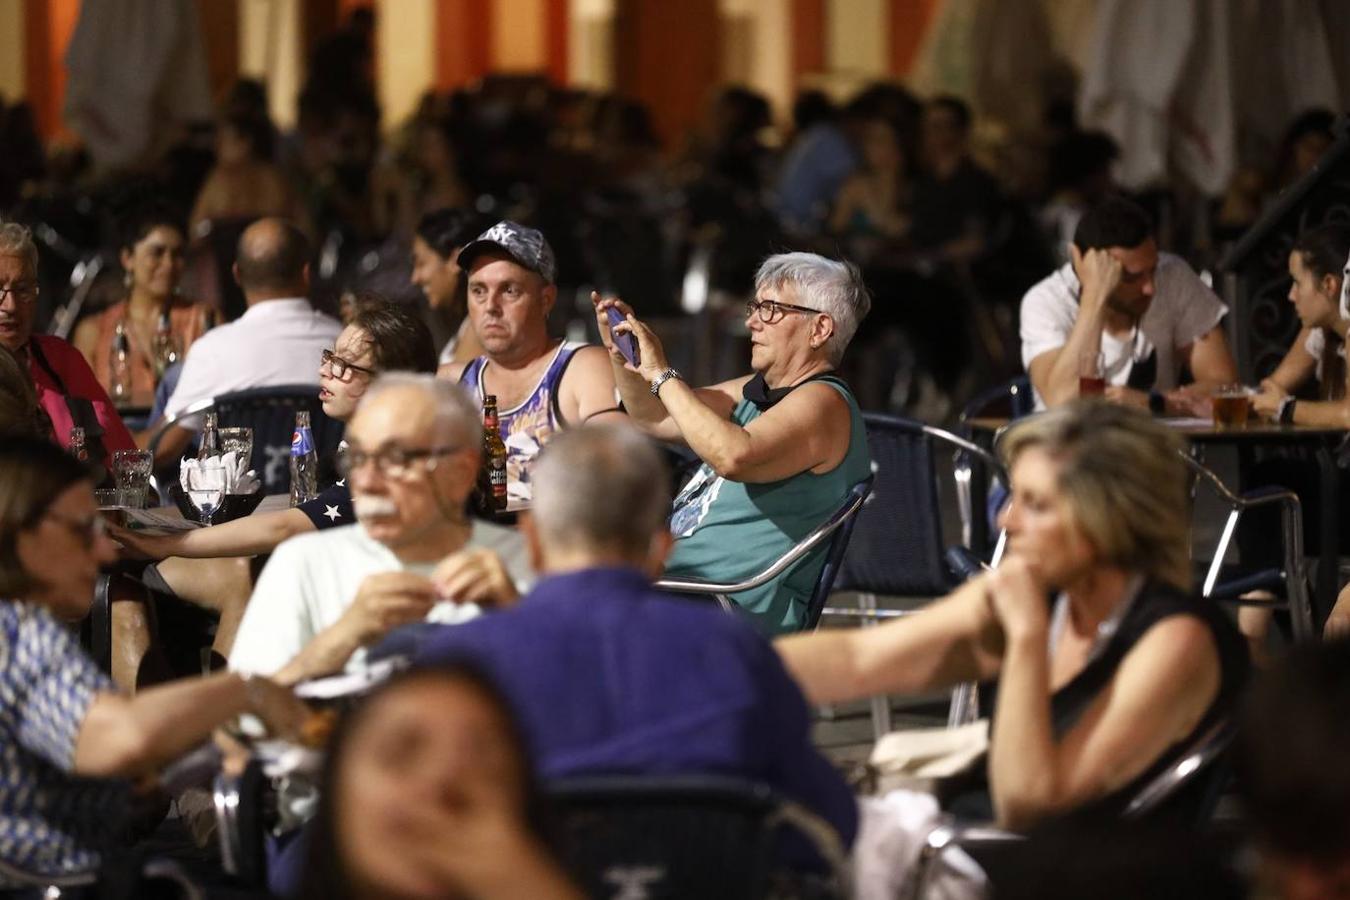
1316 264
152 248
428 792
69 741
245 182
435 255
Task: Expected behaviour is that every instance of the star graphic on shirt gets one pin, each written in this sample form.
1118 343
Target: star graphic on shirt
342 483
332 513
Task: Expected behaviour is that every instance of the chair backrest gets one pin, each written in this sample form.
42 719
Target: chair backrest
851 509
1012 400
679 836
897 543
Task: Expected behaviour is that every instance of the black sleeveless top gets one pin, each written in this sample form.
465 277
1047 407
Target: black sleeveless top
1154 603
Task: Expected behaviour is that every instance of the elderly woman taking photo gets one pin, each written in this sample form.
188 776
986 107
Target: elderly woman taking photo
69 740
1106 663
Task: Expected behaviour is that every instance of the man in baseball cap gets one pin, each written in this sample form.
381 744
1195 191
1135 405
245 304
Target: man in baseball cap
542 384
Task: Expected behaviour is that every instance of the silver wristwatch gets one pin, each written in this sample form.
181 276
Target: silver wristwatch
662 379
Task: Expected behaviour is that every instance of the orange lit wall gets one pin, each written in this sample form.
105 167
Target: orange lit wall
48 25
909 21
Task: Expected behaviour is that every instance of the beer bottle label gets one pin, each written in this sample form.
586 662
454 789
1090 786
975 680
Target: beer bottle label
497 477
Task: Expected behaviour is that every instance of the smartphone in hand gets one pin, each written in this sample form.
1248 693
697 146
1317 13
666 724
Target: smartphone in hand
626 343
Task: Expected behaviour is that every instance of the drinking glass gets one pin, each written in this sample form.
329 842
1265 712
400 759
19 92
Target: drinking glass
1232 404
131 470
1091 375
238 439
206 488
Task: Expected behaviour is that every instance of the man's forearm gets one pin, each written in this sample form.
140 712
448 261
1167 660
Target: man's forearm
325 655
1084 338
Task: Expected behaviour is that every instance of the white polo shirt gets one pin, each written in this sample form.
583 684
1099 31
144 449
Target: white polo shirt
1183 310
275 342
311 579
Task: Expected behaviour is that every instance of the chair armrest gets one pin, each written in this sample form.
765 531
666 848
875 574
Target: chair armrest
950 834
777 567
963 562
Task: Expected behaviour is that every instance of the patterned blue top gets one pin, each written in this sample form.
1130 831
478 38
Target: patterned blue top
51 821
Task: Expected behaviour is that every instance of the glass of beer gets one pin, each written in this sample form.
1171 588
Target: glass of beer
1091 375
1232 404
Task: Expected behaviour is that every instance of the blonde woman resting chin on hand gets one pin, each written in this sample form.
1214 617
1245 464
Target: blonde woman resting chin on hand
1107 665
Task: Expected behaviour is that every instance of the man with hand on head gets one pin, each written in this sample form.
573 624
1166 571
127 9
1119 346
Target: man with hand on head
412 461
1146 314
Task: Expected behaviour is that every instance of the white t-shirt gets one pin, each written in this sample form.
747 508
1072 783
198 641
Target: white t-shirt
1183 310
276 342
1315 346
311 579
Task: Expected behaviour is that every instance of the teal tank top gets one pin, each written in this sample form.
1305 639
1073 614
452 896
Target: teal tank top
729 530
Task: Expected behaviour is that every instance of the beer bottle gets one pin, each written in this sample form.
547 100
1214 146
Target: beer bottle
494 459
165 350
77 448
119 368
210 446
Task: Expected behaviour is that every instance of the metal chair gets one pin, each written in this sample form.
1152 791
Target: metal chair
669 836
20 883
1011 400
898 547
270 412
1188 788
837 529
1291 577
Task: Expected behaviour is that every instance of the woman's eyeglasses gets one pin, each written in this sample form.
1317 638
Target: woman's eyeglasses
86 530
339 366
770 311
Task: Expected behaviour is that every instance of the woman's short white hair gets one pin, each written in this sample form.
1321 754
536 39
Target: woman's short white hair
833 286
17 240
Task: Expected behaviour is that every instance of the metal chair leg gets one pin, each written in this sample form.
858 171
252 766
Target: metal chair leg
881 705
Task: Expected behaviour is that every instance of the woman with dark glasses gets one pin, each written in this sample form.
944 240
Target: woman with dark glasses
70 744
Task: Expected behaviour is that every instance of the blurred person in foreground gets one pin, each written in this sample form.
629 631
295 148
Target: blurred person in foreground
274 343
1108 665
1291 774
436 244
428 791
212 567
72 743
610 675
542 384
1146 314
781 447
67 389
414 447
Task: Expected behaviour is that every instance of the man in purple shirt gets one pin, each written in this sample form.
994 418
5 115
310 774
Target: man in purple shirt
609 675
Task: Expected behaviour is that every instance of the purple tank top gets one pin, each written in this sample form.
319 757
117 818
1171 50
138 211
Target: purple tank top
528 426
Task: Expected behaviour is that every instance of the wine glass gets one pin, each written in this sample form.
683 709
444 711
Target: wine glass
206 488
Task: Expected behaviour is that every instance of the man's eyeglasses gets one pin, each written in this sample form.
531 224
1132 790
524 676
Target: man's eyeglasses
24 292
86 530
339 366
392 462
770 311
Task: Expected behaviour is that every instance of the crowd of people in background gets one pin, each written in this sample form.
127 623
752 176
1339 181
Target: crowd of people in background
539 253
